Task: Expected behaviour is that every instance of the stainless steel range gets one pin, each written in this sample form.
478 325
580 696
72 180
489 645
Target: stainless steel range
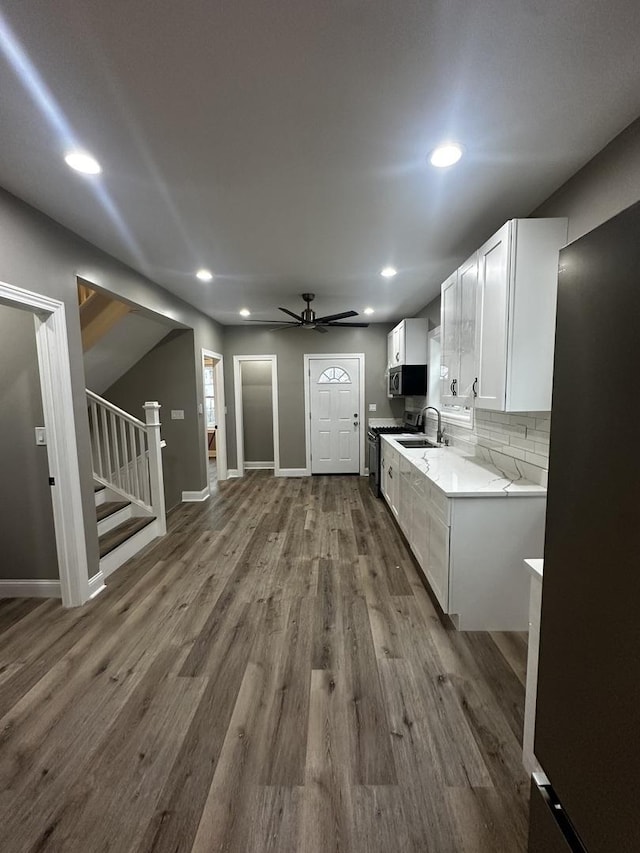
409 425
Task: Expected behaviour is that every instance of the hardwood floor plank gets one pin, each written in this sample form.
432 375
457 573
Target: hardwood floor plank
371 756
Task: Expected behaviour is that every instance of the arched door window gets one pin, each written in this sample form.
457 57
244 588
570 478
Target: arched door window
333 375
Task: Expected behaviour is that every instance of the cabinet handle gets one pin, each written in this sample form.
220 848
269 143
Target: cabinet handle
474 387
391 472
397 356
453 387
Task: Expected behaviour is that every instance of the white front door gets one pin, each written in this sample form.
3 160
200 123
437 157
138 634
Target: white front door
335 415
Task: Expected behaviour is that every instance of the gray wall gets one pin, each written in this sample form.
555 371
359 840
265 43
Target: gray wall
27 537
609 183
257 411
290 347
38 254
166 374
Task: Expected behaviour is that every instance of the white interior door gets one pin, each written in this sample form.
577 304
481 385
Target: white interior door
335 415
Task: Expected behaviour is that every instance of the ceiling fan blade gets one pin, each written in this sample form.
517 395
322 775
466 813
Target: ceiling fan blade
291 314
284 326
322 329
273 322
330 317
349 325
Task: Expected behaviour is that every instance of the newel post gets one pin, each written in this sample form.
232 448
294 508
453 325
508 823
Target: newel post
156 480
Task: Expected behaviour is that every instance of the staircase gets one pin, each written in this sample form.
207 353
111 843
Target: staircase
128 483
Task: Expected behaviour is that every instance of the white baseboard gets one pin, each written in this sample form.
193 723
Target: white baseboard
293 472
232 472
267 466
96 585
192 497
30 589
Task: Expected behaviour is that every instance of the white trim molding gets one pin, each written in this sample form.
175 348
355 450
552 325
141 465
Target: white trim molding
32 588
96 585
307 403
233 473
194 497
221 412
260 466
237 386
294 472
62 448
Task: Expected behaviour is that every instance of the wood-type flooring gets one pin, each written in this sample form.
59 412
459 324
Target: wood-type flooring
270 676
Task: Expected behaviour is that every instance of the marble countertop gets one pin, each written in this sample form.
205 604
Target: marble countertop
535 568
459 475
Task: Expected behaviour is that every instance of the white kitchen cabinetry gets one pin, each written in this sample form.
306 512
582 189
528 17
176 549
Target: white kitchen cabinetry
470 548
390 476
457 335
407 343
515 315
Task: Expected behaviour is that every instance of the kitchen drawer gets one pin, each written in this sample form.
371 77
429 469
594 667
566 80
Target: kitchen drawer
439 504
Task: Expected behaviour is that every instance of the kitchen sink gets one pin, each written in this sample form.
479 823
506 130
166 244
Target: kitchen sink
415 442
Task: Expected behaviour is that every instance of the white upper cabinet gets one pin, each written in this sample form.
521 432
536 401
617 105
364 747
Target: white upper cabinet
457 335
517 276
407 343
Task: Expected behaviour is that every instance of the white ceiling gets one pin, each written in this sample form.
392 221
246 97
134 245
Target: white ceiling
283 143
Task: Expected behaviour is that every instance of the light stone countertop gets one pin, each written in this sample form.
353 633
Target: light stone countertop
459 474
535 568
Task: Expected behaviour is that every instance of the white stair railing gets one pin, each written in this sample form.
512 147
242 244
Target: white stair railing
127 454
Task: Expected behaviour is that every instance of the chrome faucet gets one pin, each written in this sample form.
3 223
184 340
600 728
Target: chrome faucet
440 431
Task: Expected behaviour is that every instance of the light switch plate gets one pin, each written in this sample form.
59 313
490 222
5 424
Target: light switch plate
373 407
177 414
41 436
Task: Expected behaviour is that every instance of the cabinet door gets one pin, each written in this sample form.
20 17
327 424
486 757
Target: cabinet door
467 288
438 560
492 317
394 480
419 527
449 352
390 349
384 472
399 343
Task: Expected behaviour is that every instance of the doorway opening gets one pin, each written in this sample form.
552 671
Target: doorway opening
60 437
256 409
215 441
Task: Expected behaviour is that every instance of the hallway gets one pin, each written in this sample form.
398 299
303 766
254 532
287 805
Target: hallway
271 676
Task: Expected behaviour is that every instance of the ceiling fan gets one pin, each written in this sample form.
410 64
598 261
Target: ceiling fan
308 320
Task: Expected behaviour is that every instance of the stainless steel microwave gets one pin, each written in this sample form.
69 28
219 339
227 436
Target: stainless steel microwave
407 380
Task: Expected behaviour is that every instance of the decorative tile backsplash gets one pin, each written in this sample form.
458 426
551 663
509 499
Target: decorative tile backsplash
516 443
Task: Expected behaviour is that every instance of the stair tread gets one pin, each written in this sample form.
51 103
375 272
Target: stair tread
98 488
110 540
109 507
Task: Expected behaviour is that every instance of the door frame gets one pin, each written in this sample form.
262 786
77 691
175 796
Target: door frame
62 448
307 404
221 437
237 386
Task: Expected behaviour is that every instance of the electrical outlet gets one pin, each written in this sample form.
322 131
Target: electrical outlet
373 407
177 414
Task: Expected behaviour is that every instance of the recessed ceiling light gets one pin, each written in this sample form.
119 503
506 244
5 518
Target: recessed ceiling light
244 312
204 275
388 272
83 162
445 155
368 310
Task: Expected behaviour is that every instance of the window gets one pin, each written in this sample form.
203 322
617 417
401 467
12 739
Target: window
209 401
334 374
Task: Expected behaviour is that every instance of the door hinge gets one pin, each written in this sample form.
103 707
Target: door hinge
52 481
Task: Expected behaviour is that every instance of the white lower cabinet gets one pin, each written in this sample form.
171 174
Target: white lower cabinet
469 548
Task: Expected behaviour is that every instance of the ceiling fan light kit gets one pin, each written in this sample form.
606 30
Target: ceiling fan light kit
308 320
